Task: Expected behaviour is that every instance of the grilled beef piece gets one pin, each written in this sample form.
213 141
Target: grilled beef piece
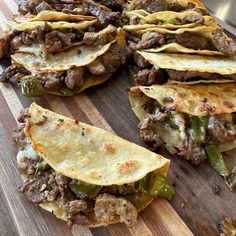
109 208
93 37
56 41
104 17
140 61
32 189
146 132
12 70
114 57
148 77
96 67
75 77
152 6
27 165
190 75
76 211
195 152
189 40
148 40
154 39
220 129
222 43
193 19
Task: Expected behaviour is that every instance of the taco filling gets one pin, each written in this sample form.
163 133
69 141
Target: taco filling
159 68
83 201
152 39
64 61
196 127
153 6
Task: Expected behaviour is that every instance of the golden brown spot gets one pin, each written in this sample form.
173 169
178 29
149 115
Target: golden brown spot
93 174
128 166
158 158
109 148
88 129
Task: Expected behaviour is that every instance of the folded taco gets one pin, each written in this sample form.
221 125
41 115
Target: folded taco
138 19
182 68
64 63
83 174
204 39
196 122
153 6
54 10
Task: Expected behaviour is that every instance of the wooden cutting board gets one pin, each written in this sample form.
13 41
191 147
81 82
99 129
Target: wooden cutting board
195 209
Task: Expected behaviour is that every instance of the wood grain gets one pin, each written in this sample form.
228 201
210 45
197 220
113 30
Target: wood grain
106 106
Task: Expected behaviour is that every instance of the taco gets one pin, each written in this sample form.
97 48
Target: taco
54 11
196 122
86 62
161 67
153 6
167 19
83 174
207 38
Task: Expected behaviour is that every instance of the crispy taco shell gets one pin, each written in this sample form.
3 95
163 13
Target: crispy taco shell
53 16
188 99
97 157
87 157
186 62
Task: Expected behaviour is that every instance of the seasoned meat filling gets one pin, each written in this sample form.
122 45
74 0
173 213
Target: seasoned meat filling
152 6
105 18
152 39
222 43
221 130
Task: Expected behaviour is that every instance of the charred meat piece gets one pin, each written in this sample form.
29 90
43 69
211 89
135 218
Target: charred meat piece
195 152
198 19
222 43
109 208
76 211
56 41
9 72
140 61
152 6
148 77
220 129
32 189
27 165
190 75
105 18
149 39
96 67
75 77
190 41
114 57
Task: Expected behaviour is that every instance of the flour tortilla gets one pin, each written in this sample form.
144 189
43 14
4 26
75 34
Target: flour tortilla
97 157
187 62
188 99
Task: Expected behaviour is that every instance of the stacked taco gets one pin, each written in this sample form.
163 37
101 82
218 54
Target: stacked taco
62 52
83 174
185 69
